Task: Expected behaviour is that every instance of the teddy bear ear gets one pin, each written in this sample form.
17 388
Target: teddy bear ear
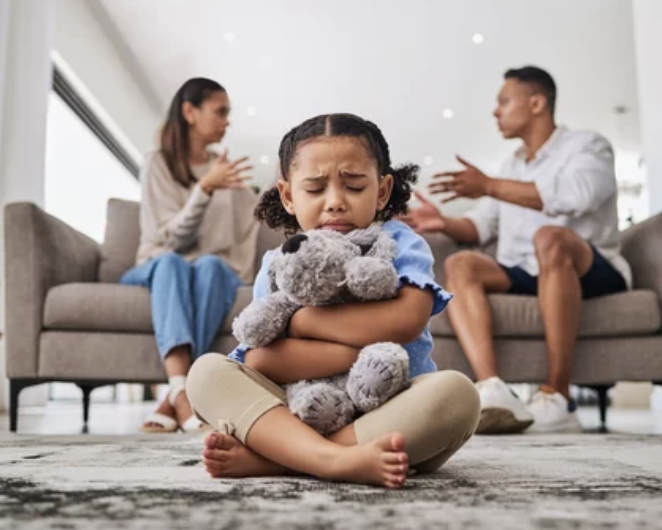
292 244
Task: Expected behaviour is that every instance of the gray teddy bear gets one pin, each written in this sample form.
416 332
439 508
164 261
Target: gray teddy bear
322 267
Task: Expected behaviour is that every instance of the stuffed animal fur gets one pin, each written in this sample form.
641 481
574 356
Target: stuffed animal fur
322 267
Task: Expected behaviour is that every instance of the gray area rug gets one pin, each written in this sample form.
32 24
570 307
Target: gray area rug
157 482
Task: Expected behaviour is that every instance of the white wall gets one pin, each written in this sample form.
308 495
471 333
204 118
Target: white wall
25 81
648 41
86 46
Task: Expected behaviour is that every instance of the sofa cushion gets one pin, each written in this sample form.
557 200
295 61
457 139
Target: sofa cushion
122 237
630 313
112 307
121 240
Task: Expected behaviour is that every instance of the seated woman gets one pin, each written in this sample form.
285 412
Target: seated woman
198 239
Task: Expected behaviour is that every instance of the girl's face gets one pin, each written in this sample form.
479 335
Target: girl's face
209 121
334 184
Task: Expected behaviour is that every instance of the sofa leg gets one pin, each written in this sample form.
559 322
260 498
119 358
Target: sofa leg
87 390
15 387
603 403
14 390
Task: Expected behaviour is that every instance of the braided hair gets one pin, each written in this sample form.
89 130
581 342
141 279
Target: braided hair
270 208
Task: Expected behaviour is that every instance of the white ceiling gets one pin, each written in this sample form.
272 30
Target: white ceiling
398 63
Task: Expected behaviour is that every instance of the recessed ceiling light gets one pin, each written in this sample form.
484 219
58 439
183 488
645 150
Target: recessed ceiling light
447 113
478 38
230 37
251 111
428 160
264 159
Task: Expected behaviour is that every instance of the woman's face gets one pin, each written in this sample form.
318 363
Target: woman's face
209 121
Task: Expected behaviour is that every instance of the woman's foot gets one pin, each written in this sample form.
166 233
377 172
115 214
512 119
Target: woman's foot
163 419
382 462
226 457
183 408
180 413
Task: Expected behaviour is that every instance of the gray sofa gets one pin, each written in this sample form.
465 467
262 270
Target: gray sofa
69 320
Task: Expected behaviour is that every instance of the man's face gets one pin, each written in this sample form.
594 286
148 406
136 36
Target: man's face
516 108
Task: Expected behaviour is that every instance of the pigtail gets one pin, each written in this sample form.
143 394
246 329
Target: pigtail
404 179
271 211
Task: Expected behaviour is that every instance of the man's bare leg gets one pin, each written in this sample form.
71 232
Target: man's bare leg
563 258
470 276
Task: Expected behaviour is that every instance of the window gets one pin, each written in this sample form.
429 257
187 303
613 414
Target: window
633 205
81 173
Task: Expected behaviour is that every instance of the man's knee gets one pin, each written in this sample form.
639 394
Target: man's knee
461 267
553 246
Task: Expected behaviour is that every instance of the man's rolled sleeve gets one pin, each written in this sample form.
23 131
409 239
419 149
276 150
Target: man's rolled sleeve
485 217
584 182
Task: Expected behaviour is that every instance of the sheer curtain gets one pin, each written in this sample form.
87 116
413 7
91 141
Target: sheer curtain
26 39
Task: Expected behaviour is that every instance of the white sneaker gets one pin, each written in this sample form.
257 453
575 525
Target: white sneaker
501 410
552 414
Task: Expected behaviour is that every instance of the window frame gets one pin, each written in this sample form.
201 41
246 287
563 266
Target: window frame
68 94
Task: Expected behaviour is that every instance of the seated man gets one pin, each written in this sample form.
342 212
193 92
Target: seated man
554 212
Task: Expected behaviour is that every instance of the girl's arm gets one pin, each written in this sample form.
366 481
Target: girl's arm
290 360
400 320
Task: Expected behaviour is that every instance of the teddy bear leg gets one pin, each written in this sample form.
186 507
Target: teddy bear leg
380 372
320 405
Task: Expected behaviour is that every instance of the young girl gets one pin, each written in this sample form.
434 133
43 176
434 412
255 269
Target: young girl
337 175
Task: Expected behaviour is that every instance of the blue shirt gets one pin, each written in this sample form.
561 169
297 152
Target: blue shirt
413 263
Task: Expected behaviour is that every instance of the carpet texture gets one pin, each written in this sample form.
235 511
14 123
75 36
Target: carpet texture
157 482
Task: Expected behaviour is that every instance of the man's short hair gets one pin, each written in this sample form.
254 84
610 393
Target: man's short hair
539 79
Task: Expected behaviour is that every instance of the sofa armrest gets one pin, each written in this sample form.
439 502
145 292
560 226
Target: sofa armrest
642 248
442 246
40 252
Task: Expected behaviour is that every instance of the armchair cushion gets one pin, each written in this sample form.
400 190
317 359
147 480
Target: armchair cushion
121 240
112 308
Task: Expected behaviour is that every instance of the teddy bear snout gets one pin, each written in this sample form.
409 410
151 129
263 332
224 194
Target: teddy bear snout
292 244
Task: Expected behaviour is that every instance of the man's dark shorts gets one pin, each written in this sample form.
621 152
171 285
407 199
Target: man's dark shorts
600 280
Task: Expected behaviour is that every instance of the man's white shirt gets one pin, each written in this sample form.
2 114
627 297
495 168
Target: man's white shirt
574 175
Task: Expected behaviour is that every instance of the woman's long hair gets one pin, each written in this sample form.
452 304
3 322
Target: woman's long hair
175 133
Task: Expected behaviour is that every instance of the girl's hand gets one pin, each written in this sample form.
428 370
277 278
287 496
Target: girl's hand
225 174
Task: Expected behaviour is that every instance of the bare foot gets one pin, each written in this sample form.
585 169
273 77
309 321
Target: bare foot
226 457
382 462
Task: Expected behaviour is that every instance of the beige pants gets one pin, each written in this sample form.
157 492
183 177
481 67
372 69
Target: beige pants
436 415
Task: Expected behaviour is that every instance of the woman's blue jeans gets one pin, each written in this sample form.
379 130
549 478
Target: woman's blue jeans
189 300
